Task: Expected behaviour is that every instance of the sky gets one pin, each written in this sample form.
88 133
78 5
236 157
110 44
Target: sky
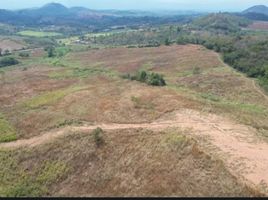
196 5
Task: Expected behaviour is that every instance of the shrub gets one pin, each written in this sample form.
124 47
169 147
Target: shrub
167 42
196 70
98 136
156 80
24 54
8 61
146 77
50 51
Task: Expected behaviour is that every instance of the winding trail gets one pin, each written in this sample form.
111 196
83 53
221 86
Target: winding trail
255 86
259 90
238 145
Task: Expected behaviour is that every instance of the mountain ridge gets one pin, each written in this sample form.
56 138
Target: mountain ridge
259 9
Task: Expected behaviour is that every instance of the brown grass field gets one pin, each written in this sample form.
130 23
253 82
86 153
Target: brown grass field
83 89
11 45
259 25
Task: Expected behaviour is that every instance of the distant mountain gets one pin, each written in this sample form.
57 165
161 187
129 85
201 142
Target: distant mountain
224 22
259 9
54 9
59 15
259 12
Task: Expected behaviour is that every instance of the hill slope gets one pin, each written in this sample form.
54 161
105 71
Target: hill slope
259 9
221 22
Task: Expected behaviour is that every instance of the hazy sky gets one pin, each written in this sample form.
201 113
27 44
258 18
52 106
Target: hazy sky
199 5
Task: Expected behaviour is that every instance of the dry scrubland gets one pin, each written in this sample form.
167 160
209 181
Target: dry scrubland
85 88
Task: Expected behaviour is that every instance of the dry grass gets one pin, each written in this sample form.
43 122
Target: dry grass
259 25
133 163
108 99
8 44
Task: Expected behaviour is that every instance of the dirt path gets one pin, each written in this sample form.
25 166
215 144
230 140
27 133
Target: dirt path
259 90
238 145
255 86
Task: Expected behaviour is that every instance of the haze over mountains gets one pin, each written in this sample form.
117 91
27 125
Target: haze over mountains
258 12
58 14
260 9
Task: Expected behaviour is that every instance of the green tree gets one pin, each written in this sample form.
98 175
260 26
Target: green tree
167 42
8 61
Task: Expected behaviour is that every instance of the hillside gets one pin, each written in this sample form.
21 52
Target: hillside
222 22
259 9
130 103
259 12
196 131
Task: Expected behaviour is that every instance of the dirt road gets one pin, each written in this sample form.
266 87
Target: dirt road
238 145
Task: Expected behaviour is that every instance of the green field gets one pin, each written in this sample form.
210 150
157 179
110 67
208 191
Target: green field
39 34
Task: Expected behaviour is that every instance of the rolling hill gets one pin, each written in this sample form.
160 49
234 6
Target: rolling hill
59 15
259 9
259 12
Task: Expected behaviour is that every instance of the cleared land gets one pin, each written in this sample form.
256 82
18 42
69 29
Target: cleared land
213 110
38 34
259 25
11 45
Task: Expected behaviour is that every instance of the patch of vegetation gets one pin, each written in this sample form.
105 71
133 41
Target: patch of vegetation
176 141
68 123
221 21
80 73
98 136
62 51
196 70
24 54
232 105
251 108
7 132
8 61
49 97
19 182
210 97
139 104
38 34
153 79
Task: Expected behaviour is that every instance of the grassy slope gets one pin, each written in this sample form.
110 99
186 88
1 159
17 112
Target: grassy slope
86 87
150 164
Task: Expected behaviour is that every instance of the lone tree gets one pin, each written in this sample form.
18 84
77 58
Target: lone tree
50 51
167 42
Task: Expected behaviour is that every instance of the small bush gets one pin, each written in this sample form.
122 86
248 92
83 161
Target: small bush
98 136
24 54
146 77
196 70
50 51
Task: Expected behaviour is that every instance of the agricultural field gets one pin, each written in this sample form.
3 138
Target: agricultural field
38 34
51 109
